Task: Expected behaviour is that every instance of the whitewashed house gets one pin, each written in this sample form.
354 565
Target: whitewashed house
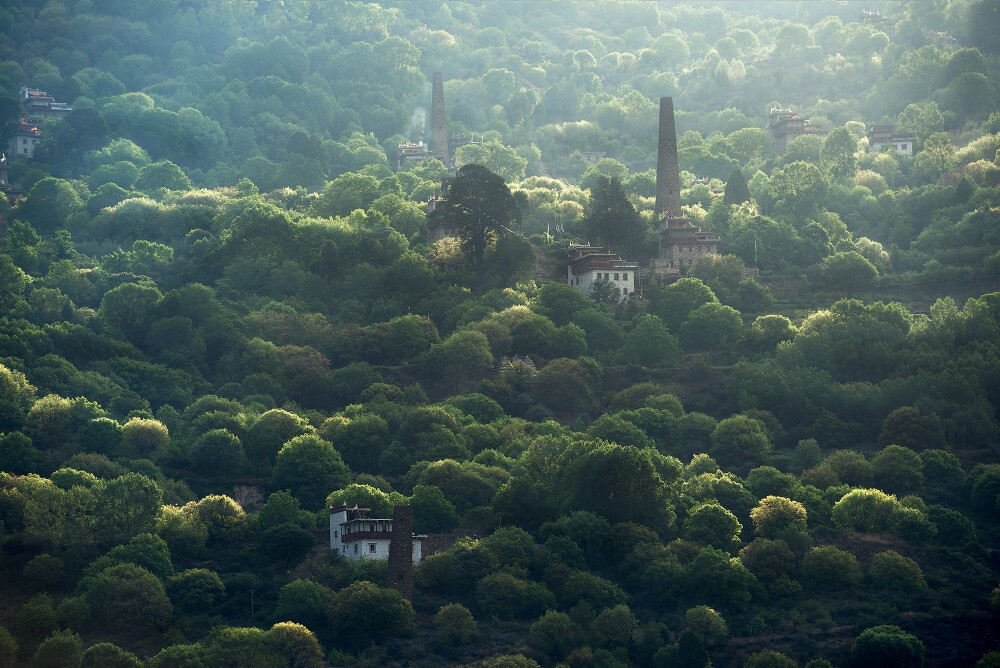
356 536
586 265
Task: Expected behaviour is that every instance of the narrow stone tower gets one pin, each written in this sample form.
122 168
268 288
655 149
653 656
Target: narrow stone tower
668 181
439 128
400 572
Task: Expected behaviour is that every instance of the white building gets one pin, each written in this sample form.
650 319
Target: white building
356 536
882 135
39 104
586 265
26 137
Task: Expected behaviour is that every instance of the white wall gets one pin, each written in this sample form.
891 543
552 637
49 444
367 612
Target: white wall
585 282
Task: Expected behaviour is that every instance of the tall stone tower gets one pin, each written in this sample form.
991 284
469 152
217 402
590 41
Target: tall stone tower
400 572
668 180
439 128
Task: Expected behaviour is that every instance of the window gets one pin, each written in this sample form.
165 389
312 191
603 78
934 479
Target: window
355 548
335 534
624 277
616 277
624 291
345 549
372 547
903 146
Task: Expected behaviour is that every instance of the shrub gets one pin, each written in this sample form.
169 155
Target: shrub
509 597
887 646
195 590
891 570
829 567
454 623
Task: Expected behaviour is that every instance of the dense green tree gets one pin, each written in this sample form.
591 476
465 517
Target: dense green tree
612 220
898 470
309 468
771 561
35 618
109 655
866 510
563 385
195 590
769 658
736 189
740 439
60 650
555 634
649 343
712 325
156 177
909 427
303 601
12 282
891 570
296 644
848 271
129 599
49 205
128 506
219 451
455 624
887 645
679 299
827 567
8 649
269 432
798 189
371 612
481 207
779 518
711 524
839 153
707 624
509 597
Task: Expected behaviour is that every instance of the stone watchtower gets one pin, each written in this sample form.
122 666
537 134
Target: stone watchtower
681 242
668 179
400 572
439 127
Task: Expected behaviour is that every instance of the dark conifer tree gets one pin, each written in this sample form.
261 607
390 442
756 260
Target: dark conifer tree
613 220
736 189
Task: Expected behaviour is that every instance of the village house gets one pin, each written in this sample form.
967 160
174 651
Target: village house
586 265
36 107
356 536
27 136
881 135
786 125
37 104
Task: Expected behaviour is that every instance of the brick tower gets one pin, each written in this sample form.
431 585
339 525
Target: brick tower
400 573
668 181
439 128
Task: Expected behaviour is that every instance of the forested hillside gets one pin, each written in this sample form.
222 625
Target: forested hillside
220 315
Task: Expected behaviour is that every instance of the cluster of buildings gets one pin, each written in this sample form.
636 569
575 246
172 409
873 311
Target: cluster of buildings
681 242
785 125
37 106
